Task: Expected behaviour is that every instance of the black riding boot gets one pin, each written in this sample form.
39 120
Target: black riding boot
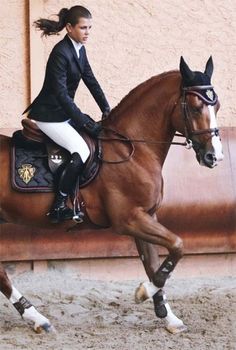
60 211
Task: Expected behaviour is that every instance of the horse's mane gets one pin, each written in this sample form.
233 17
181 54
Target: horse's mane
139 90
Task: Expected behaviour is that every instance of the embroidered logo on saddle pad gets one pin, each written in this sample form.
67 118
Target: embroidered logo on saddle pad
30 171
26 172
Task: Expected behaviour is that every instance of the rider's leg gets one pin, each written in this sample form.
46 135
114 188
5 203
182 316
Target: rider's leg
66 136
60 211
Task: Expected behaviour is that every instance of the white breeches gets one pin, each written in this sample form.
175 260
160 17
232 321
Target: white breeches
66 136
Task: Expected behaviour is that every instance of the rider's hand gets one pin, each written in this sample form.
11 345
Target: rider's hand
93 128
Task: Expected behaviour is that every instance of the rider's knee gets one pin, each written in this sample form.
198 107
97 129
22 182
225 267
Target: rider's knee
80 147
83 155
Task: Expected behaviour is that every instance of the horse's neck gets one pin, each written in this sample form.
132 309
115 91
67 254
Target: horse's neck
148 118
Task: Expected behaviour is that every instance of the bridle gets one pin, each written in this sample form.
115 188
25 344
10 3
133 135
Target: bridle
210 100
188 131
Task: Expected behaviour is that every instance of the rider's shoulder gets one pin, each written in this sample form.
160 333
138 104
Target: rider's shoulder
61 49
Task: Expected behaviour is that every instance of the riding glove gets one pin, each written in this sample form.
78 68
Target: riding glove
93 128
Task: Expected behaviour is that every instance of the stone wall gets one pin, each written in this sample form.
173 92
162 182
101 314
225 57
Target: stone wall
131 40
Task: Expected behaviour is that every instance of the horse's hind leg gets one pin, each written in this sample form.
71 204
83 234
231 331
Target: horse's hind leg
5 284
150 258
22 305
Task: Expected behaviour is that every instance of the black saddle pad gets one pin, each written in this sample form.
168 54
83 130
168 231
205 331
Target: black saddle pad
29 166
30 171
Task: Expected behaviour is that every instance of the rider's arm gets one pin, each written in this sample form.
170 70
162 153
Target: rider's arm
93 85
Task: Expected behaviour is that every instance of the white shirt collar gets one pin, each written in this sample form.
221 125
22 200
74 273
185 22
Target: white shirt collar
76 45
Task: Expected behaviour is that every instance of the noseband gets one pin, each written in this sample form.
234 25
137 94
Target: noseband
207 95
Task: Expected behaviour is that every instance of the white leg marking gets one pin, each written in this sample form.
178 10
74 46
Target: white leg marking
39 320
172 321
216 143
31 314
145 291
15 295
173 324
150 288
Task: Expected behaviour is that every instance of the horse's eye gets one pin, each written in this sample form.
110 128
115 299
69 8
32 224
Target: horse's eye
196 109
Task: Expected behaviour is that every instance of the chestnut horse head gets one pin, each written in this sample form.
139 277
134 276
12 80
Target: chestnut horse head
199 107
185 102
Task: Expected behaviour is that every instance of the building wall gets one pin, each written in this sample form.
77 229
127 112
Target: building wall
130 42
14 62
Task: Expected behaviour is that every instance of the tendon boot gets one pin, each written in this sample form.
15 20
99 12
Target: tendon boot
60 211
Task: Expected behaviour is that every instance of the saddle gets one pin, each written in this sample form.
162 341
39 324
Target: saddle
37 162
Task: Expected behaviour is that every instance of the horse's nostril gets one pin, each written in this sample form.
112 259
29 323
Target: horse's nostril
210 158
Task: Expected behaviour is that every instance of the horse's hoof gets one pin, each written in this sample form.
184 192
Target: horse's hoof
176 329
144 291
46 327
140 294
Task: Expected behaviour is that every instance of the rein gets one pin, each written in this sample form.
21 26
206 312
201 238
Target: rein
126 139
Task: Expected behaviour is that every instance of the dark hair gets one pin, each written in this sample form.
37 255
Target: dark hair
72 15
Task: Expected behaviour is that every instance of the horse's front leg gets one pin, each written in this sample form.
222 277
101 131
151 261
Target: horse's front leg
142 226
149 233
22 305
150 258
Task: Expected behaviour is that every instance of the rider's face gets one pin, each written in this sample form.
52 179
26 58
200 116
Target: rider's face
80 32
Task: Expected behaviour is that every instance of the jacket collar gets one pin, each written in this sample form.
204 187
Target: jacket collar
70 44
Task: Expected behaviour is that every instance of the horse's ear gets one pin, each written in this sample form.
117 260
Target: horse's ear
209 67
185 71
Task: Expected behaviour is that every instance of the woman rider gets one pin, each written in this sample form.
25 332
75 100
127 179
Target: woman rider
54 110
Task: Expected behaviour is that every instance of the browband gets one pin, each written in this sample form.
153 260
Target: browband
205 92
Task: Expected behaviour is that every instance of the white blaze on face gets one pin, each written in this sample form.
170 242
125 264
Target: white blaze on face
216 143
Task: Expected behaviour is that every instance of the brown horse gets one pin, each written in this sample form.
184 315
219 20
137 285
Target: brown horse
129 193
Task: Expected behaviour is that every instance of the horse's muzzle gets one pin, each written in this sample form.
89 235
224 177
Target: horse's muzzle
210 153
208 159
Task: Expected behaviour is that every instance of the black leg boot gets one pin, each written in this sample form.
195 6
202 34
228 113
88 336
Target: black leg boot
60 211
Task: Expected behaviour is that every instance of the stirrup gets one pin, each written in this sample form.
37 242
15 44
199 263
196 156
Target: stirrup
59 215
78 217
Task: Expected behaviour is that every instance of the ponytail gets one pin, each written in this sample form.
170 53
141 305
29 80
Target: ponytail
50 27
72 15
